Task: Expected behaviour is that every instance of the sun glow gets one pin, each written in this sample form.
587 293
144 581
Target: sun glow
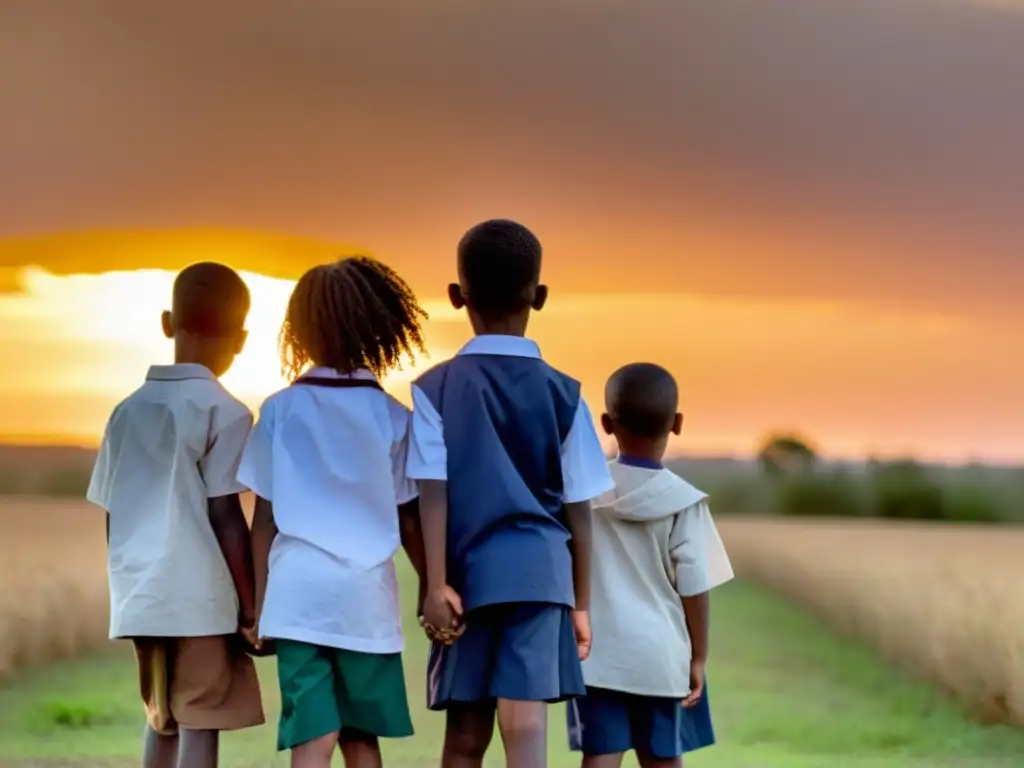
108 326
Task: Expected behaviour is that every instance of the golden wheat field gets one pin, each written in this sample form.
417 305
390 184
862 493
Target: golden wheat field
54 597
944 600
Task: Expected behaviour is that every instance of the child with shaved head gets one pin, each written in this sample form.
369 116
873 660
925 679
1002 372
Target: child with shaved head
656 557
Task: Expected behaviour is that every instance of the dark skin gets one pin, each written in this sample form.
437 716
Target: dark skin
264 531
229 526
411 532
523 724
696 608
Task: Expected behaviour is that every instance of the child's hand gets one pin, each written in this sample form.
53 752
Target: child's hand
584 639
696 684
442 615
250 635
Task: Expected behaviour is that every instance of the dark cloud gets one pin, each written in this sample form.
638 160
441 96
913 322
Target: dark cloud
866 148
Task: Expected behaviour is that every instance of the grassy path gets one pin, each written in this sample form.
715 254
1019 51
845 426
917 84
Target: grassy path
786 694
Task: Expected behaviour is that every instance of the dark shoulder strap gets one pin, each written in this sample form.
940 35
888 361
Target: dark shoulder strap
316 381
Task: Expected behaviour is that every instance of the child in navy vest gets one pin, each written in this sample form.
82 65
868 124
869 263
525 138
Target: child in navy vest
508 460
657 555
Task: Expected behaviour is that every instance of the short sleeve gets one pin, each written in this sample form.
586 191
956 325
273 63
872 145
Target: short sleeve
585 474
427 453
405 489
220 464
255 471
697 553
99 484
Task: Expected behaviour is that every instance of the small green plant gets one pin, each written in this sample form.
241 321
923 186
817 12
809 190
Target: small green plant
62 714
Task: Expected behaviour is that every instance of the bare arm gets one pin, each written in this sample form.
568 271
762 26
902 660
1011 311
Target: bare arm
264 531
232 532
697 610
412 542
580 527
433 510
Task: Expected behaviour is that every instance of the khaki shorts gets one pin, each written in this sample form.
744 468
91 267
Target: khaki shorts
198 683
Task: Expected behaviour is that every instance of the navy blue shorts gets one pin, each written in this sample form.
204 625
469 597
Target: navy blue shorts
608 722
518 651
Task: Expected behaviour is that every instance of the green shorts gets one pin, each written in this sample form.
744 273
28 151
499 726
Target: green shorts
326 690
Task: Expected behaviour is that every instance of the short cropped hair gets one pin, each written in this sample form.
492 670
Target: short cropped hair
209 299
642 399
499 260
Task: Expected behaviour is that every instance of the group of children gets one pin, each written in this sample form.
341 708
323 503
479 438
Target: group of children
546 572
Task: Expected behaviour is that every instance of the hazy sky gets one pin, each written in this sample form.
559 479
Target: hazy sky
781 154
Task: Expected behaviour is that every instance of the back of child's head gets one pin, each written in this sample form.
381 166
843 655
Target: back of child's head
351 314
642 401
210 300
499 268
209 305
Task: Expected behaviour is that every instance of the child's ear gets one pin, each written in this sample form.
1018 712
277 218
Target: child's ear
455 295
677 424
166 321
540 297
243 336
606 424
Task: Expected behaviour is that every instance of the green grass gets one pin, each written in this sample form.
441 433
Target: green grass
786 694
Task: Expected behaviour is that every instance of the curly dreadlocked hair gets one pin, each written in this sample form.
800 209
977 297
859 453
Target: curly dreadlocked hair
353 313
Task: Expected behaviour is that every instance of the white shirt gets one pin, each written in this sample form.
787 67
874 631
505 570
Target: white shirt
332 462
171 445
654 543
584 464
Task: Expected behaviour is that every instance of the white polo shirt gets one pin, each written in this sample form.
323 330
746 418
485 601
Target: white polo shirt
584 465
332 462
169 447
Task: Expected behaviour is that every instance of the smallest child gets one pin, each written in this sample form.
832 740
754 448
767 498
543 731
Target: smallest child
657 555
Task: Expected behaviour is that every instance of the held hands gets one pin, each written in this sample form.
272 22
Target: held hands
696 684
581 627
255 645
442 615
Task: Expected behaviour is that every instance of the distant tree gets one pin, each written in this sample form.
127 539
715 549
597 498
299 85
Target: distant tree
786 454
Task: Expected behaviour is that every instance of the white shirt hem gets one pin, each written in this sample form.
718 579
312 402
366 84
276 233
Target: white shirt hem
359 644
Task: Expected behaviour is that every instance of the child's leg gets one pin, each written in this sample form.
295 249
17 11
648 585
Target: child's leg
648 761
316 753
198 749
360 750
602 761
524 732
159 751
467 734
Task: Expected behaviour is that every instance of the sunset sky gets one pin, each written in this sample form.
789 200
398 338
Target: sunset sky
810 211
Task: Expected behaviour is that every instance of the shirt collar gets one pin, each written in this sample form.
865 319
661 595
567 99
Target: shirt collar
321 372
506 346
179 372
636 461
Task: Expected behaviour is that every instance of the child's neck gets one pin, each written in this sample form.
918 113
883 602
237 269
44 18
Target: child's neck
514 325
642 451
190 351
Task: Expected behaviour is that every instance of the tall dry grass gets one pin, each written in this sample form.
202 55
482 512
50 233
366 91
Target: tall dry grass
944 600
53 600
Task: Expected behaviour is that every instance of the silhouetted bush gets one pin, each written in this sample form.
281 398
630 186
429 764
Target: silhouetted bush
973 504
786 454
815 494
64 482
904 490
